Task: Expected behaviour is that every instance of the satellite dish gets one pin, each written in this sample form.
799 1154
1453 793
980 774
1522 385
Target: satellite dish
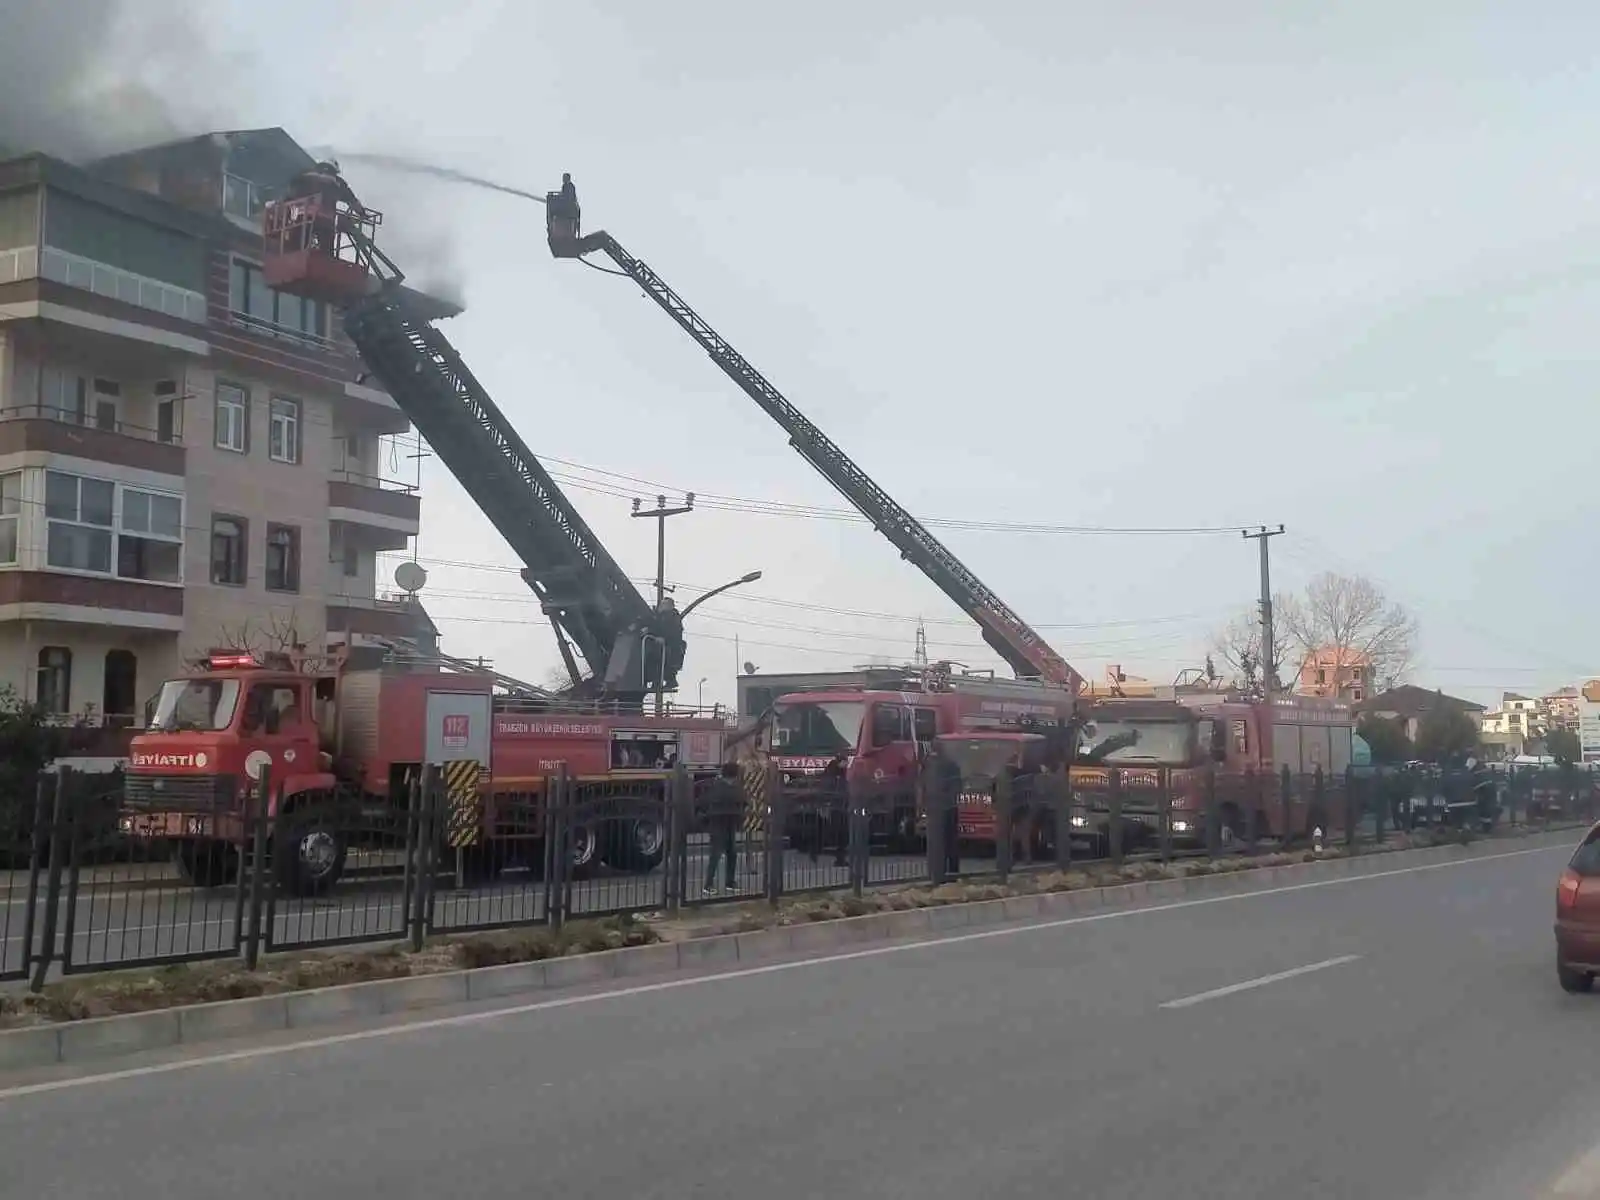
409 577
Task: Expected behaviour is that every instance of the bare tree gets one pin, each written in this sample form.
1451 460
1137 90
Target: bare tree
1238 646
1350 619
556 679
277 634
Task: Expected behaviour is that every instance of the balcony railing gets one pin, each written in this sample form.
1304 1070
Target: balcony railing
68 416
343 475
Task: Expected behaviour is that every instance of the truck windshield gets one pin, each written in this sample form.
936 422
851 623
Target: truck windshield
195 704
822 728
1167 743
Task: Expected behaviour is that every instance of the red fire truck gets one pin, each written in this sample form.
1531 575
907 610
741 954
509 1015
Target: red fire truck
874 738
1142 745
343 747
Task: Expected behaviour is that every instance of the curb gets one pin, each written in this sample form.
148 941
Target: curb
101 1038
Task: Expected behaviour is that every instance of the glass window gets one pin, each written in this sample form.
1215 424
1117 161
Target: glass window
79 516
1586 861
229 551
198 704
233 418
150 541
927 724
284 441
889 725
818 728
55 679
283 558
10 514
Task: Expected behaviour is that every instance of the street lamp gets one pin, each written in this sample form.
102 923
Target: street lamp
700 694
717 591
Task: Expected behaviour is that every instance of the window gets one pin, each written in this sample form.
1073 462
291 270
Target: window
927 724
230 556
283 441
352 561
120 694
249 296
79 516
55 679
150 542
283 558
233 418
198 704
64 395
169 412
272 708
10 514
889 725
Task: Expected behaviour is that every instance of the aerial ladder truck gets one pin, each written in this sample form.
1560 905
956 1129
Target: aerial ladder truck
320 242
1022 649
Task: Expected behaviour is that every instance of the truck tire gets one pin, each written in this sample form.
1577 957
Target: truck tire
584 850
207 864
636 845
308 853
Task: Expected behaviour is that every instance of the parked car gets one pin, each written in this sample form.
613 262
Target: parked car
1578 917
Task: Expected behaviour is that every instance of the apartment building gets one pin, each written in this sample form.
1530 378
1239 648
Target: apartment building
187 458
1337 672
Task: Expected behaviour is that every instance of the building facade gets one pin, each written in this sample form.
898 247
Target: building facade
187 458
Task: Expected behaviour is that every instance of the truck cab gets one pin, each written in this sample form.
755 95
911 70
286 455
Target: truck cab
209 736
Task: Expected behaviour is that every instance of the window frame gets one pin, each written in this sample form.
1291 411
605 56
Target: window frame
243 406
293 564
293 419
63 668
243 526
11 519
117 529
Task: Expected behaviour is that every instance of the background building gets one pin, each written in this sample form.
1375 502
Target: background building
187 458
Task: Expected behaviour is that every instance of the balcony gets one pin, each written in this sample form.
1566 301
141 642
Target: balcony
374 502
27 595
372 617
41 429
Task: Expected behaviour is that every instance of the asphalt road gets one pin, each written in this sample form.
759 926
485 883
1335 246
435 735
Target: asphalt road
1400 1036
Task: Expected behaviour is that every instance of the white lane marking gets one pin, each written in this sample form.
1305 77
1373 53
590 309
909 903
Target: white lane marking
1260 981
671 985
1581 1179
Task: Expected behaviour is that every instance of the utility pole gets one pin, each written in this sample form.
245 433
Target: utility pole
660 513
1269 647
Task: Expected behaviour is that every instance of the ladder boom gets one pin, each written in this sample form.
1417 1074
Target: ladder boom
1023 650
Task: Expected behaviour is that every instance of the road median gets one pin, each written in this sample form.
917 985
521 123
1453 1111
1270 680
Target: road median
95 1018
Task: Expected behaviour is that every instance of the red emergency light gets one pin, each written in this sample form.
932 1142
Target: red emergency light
231 662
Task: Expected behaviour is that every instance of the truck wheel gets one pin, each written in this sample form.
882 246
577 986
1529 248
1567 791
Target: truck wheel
584 851
308 854
638 845
207 864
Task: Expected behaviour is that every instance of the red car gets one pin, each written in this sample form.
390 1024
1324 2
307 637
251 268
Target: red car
1578 917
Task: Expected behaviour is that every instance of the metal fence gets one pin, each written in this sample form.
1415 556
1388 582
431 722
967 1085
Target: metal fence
98 876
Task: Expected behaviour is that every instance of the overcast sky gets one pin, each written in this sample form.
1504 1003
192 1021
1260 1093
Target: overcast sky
1126 264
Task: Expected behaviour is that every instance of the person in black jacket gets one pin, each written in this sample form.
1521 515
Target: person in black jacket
724 815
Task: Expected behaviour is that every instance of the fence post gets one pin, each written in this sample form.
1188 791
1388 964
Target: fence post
1164 814
776 822
52 894
38 851
1004 819
564 845
258 864
1286 829
1114 806
1319 814
1213 815
858 833
1350 809
1061 803
68 858
427 865
936 821
679 816
1379 797
1255 793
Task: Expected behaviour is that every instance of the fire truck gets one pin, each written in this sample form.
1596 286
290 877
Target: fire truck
342 749
1140 746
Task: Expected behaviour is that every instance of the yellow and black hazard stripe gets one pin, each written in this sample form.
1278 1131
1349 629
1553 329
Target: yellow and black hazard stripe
753 776
464 803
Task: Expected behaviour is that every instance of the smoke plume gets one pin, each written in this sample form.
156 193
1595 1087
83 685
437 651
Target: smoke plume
84 78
